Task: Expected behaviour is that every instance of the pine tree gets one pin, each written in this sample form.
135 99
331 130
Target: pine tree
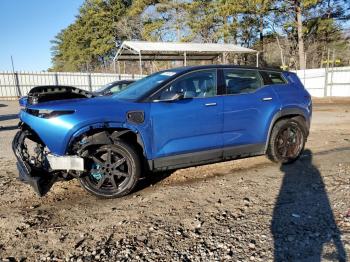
90 42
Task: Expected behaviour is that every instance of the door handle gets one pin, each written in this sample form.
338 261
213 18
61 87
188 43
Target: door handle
210 104
267 99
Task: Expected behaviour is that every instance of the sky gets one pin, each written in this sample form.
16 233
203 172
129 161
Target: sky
28 26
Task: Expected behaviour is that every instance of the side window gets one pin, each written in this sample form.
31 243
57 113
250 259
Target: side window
276 78
197 84
240 81
115 89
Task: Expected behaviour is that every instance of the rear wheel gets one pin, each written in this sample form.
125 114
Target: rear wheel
287 141
114 170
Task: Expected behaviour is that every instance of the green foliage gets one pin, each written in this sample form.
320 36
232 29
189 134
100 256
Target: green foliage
90 41
269 26
204 21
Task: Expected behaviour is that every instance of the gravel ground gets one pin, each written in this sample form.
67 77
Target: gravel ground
244 210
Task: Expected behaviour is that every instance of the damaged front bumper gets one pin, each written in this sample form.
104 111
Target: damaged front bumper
42 177
38 179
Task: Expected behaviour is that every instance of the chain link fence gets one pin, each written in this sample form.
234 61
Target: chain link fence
16 84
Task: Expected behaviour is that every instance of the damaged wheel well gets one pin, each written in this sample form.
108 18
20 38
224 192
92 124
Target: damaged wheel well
32 135
102 136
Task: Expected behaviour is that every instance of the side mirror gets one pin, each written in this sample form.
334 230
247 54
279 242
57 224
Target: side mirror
170 96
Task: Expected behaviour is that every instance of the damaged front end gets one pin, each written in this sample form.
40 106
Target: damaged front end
37 167
40 94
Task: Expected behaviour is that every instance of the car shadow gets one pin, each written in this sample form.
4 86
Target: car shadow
303 223
8 117
152 179
8 128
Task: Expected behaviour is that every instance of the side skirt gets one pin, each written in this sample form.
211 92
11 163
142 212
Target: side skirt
206 157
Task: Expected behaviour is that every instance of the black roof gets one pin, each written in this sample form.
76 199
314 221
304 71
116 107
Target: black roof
191 68
123 81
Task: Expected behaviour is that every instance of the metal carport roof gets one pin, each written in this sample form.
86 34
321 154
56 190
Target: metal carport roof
171 51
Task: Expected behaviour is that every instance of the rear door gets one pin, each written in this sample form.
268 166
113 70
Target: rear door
249 106
190 125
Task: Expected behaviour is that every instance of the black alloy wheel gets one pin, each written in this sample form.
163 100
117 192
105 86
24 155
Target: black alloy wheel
287 141
114 170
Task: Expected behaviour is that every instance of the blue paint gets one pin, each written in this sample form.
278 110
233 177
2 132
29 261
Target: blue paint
176 127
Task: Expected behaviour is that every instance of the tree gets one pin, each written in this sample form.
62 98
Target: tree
300 19
203 21
90 42
288 33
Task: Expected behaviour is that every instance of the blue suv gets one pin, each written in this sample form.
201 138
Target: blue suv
172 119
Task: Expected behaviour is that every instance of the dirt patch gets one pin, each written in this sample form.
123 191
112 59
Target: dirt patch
244 210
331 100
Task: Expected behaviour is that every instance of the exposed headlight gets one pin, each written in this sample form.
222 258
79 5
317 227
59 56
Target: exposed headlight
44 113
32 100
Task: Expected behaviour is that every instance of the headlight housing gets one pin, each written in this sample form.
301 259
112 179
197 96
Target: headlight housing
45 113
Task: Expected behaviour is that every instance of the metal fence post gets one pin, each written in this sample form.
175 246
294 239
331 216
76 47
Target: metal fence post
331 83
326 76
17 84
89 82
325 82
56 79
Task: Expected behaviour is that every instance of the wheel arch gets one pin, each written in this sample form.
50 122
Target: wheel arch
284 114
104 134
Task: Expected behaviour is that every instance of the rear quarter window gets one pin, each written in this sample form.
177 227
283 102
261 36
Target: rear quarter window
276 78
293 78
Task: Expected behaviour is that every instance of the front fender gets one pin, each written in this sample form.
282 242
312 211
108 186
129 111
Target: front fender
57 132
138 130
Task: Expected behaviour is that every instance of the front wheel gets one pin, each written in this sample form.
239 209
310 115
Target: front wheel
114 170
287 141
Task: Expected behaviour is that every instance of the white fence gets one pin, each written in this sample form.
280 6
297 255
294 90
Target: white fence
17 84
324 82
319 82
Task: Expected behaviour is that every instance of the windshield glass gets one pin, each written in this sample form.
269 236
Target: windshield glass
141 87
102 88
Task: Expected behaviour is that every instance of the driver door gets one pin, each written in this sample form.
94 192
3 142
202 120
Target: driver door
192 124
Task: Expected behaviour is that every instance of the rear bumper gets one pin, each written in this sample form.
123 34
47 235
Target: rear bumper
40 180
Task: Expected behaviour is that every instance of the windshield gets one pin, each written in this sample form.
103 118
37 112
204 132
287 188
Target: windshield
141 87
102 88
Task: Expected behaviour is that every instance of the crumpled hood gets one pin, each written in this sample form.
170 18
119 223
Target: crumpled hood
42 94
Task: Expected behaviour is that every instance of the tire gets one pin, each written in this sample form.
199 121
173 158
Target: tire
287 140
114 170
